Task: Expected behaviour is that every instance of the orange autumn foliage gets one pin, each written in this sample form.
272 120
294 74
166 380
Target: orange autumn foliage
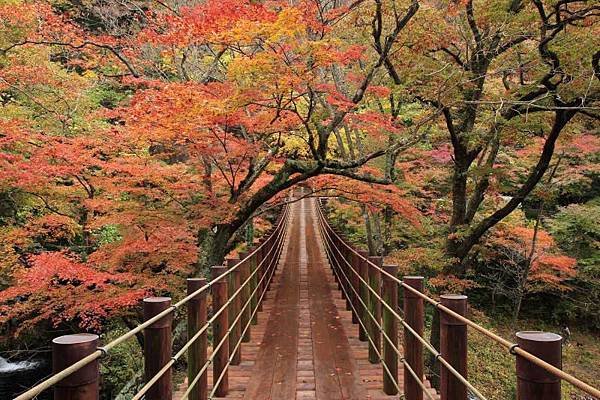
54 285
549 269
214 110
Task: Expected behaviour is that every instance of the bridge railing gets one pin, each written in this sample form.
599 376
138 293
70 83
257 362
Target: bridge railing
237 291
371 289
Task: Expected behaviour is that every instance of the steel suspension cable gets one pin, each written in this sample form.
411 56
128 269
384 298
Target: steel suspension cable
385 335
429 347
512 347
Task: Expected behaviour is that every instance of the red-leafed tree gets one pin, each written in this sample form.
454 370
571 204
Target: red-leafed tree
500 73
268 109
222 107
55 287
522 261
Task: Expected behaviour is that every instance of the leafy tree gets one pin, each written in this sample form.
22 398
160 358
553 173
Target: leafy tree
518 262
576 231
147 135
500 73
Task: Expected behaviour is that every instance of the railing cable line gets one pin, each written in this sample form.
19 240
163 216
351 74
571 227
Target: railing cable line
225 338
239 342
378 325
216 383
257 270
192 384
431 348
101 351
512 347
215 316
379 355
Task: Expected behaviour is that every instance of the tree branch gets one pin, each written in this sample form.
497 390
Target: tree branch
80 46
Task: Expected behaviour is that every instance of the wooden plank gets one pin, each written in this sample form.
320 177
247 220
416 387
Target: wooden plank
305 345
336 373
274 373
241 374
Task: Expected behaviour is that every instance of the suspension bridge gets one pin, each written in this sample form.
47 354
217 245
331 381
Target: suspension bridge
304 315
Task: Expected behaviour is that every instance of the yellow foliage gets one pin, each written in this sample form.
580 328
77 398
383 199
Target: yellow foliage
287 26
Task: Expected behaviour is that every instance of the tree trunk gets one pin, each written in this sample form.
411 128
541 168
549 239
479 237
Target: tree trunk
213 247
387 231
454 242
369 231
434 339
249 233
459 195
459 247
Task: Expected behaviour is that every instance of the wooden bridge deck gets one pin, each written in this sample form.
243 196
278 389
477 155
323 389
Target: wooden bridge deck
305 345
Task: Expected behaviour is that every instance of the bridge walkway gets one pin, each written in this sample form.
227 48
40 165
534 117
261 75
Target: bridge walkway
305 345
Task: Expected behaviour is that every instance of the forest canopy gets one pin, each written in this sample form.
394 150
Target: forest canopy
144 141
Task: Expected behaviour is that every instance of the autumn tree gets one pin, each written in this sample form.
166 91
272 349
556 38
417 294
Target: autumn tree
254 100
501 73
143 136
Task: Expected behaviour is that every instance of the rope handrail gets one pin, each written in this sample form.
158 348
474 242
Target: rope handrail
428 345
370 339
103 350
512 347
214 317
204 328
236 320
209 361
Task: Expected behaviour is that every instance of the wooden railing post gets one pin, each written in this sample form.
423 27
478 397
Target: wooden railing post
253 285
80 385
453 347
260 265
246 312
328 239
353 271
220 329
158 347
347 273
234 311
375 309
533 382
390 327
363 271
413 348
197 353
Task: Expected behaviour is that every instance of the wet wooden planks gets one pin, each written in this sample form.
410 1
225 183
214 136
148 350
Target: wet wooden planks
305 346
336 373
274 375
371 375
324 365
241 375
